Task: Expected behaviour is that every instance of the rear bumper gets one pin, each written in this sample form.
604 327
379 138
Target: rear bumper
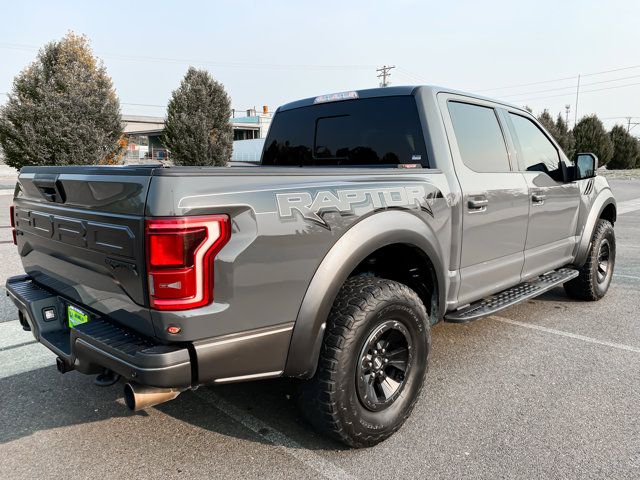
100 342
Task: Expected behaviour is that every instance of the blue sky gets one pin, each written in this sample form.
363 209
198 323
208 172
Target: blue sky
277 51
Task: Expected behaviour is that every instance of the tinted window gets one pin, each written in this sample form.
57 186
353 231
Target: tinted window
370 131
479 137
536 151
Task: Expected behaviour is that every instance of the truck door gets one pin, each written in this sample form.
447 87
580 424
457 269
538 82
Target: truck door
554 201
495 198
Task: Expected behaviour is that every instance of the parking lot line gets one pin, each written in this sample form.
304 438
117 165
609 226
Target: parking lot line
20 354
562 333
307 457
626 276
628 206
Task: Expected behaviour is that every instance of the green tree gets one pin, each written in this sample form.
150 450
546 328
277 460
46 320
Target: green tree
198 130
559 131
547 122
62 109
565 137
590 136
626 150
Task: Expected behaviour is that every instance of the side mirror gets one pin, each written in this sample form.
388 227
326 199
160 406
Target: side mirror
586 165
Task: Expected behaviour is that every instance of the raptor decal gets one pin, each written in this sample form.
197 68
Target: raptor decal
343 201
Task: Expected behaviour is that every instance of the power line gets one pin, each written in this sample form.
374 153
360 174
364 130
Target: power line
584 91
411 76
571 87
527 84
213 63
573 77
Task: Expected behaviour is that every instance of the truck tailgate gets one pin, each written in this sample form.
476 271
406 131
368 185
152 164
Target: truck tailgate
80 233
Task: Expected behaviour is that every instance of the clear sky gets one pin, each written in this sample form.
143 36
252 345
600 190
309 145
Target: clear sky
272 52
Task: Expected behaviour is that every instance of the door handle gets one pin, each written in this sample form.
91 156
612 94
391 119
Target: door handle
478 204
538 198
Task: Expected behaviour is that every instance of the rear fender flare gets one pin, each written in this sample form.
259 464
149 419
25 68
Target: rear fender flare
367 236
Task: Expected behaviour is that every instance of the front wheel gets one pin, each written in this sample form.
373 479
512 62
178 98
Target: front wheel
372 363
595 275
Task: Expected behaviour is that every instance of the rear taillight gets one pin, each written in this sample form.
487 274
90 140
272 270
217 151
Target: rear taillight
12 220
180 254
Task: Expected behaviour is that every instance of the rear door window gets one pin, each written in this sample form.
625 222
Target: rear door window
382 131
479 136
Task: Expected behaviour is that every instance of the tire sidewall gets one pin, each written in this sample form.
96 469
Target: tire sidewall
386 420
606 233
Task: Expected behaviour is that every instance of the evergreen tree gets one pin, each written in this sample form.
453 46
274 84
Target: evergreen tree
198 129
62 109
626 151
565 137
590 136
547 122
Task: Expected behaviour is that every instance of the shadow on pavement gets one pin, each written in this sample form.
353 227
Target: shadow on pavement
271 402
554 295
42 399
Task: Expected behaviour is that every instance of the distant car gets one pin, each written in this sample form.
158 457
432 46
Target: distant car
374 214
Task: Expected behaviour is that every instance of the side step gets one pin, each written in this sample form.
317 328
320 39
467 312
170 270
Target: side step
511 296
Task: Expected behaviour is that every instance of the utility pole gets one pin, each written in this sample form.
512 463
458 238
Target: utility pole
631 124
384 74
575 118
567 108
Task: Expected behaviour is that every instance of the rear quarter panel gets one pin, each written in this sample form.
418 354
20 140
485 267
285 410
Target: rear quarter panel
262 274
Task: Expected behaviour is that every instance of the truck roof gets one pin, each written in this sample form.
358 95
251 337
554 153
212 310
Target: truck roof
398 91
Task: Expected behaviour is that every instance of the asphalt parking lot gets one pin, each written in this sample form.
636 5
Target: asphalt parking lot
547 389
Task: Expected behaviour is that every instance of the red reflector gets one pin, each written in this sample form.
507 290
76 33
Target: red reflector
173 329
180 254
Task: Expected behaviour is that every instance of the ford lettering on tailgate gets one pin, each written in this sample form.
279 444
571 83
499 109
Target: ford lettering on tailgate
101 237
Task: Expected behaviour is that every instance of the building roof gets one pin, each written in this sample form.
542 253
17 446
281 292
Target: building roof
146 125
252 119
142 124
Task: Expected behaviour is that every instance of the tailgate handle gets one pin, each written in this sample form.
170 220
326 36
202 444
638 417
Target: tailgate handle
51 188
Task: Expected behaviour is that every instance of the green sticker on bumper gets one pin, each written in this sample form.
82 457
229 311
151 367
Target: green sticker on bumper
76 316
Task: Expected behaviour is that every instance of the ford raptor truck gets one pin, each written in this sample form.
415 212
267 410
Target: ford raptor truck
374 214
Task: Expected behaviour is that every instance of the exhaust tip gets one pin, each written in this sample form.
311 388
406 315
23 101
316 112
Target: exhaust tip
129 397
138 397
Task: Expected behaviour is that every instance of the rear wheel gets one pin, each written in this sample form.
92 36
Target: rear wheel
595 275
372 364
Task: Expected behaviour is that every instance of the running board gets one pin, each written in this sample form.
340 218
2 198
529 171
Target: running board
511 296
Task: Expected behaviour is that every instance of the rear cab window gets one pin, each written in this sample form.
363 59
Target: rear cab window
380 131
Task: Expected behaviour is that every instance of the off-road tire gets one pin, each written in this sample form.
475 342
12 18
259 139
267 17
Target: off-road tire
586 285
330 400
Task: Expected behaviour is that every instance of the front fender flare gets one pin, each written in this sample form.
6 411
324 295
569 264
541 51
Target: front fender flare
604 199
367 236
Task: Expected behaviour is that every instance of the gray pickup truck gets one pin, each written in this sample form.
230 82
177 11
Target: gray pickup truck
374 215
